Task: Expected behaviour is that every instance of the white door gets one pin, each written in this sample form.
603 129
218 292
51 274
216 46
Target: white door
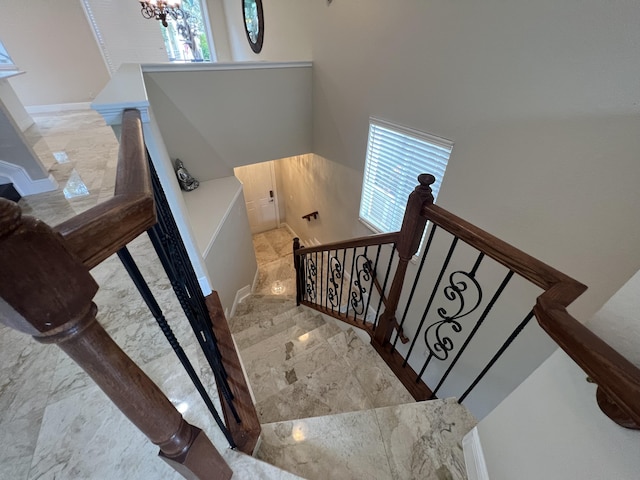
259 195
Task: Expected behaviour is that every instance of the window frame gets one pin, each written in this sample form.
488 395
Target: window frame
424 138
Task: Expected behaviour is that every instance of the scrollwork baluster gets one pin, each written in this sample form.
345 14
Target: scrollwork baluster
363 276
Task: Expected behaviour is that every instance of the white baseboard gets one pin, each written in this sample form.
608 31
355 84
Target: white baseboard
23 183
288 227
58 107
256 279
241 294
474 457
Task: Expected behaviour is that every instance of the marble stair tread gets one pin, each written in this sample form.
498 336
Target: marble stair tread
286 344
264 303
262 318
411 441
268 327
300 365
341 374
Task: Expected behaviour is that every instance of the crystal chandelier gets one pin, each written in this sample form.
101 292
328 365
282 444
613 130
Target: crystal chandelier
159 9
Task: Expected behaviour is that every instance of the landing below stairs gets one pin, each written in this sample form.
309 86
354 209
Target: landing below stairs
419 441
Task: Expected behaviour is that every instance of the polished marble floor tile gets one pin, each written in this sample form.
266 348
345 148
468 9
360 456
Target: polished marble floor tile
415 441
423 440
345 446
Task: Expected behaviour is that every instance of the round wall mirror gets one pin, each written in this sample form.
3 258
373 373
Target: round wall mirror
253 23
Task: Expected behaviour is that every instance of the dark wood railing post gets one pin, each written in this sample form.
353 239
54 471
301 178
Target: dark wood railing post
47 292
413 225
296 264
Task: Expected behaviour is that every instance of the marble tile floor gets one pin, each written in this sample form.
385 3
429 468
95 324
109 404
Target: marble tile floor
55 423
81 152
417 441
274 253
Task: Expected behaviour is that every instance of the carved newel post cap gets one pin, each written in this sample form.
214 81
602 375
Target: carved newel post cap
10 217
426 179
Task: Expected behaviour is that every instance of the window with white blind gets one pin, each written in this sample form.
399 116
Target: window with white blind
396 155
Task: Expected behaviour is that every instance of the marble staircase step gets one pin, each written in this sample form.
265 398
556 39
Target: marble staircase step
300 365
268 327
410 441
263 318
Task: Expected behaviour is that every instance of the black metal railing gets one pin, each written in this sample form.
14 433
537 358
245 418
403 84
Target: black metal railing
453 295
167 242
462 283
347 283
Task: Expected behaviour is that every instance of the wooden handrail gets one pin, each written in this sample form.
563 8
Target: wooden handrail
101 231
618 379
537 272
47 292
378 239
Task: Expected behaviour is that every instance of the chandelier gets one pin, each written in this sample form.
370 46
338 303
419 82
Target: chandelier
159 9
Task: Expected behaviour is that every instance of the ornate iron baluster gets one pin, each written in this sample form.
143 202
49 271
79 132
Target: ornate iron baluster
433 295
374 272
486 311
363 275
438 345
310 275
335 267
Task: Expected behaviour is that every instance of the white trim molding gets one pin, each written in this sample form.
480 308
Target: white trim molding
241 294
288 227
474 457
23 183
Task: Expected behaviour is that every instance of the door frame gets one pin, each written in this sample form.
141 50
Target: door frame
274 184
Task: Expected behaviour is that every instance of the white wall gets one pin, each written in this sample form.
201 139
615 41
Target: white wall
286 31
308 183
551 426
617 321
53 43
14 106
237 116
15 149
544 119
540 99
231 261
219 31
130 39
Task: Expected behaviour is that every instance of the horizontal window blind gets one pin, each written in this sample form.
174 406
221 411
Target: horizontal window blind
395 157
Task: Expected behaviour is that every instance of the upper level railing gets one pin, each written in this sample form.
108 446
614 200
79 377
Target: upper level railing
47 291
447 301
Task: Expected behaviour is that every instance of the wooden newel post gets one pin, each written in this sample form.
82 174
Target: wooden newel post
47 292
296 264
411 232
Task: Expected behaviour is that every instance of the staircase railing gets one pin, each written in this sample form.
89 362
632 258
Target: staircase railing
47 292
446 301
